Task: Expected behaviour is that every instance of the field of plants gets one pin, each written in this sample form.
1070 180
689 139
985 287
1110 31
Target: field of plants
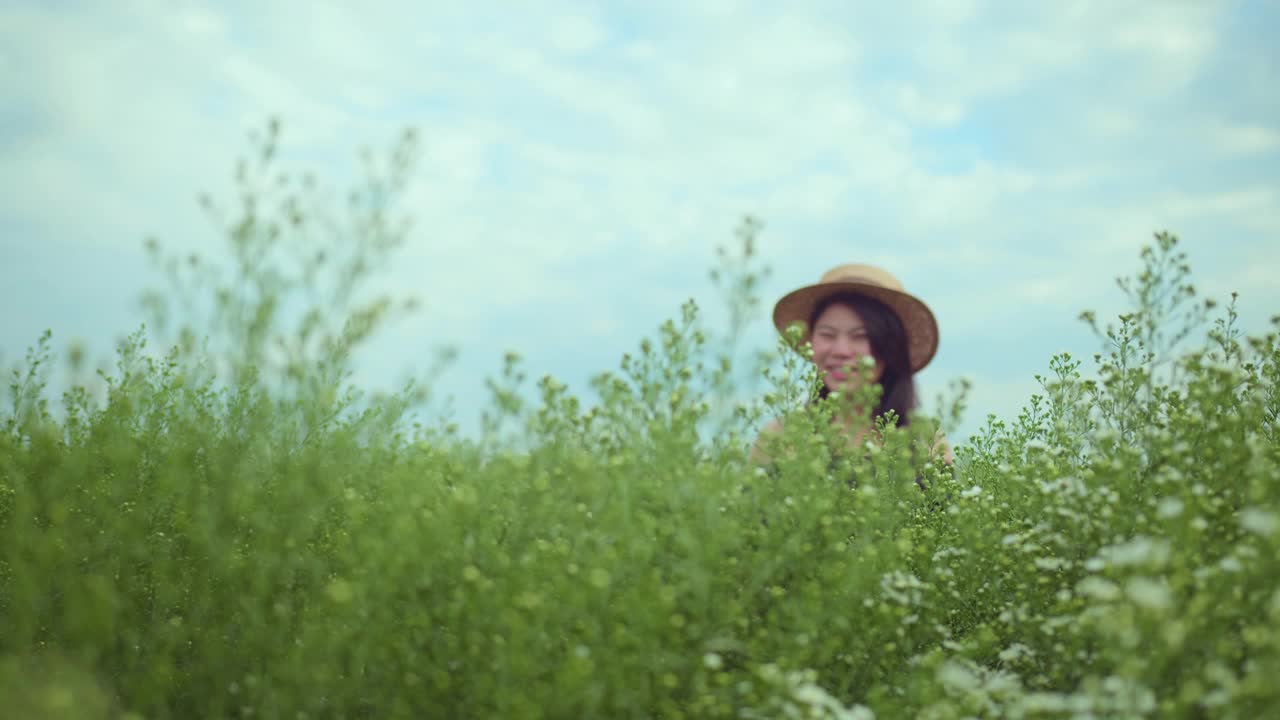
231 530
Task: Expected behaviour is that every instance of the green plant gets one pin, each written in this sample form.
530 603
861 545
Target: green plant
234 531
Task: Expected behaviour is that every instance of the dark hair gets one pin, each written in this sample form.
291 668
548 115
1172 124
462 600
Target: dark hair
888 345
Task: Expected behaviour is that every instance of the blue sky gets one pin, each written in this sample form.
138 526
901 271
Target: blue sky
581 161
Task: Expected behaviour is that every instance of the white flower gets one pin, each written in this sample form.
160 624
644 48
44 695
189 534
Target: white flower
1040 702
1170 507
1148 593
804 698
1141 550
1050 563
958 677
1016 651
901 588
1098 588
1258 521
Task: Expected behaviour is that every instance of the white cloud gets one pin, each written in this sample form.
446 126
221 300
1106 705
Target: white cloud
577 34
552 135
926 110
1246 139
1112 123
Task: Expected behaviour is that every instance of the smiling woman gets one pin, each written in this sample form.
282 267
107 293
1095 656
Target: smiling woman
862 326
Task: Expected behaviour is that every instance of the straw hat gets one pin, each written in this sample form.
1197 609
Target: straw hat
873 282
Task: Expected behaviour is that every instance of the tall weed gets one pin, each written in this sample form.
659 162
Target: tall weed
235 531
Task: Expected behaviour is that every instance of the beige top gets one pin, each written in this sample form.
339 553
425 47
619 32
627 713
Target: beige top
774 428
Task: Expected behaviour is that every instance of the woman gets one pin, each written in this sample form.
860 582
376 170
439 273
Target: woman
861 314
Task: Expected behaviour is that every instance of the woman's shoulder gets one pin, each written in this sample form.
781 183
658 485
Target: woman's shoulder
942 447
773 428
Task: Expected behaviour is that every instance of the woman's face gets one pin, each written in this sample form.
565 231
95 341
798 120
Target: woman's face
839 341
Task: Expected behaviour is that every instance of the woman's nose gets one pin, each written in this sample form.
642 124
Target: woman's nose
843 348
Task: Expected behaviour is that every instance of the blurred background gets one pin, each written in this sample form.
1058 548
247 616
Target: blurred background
580 162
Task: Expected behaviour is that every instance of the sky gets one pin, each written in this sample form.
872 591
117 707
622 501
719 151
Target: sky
580 162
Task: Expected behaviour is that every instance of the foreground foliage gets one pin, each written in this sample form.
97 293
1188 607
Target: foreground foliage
237 535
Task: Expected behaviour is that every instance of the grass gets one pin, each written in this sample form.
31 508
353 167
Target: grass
234 531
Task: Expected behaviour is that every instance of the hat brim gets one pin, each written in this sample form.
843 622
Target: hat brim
917 319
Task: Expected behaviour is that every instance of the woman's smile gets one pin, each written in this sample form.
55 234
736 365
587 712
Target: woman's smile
864 333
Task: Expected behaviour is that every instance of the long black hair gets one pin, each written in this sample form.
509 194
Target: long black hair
889 346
